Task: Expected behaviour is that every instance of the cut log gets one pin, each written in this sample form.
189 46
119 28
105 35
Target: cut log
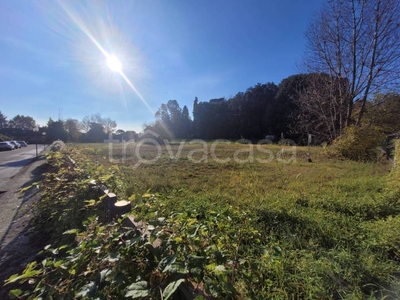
122 207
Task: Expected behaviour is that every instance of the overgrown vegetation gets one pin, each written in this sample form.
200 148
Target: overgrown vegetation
359 143
250 230
4 137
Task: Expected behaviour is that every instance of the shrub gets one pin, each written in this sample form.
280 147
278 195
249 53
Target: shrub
394 177
4 137
396 158
57 146
359 143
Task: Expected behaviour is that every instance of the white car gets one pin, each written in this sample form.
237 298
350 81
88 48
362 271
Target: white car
6 146
16 145
22 143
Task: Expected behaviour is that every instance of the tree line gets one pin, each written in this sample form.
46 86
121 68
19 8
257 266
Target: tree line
350 75
301 104
93 128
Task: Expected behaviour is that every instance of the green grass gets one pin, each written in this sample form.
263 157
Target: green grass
335 222
249 184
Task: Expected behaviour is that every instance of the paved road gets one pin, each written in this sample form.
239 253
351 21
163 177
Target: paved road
11 162
16 213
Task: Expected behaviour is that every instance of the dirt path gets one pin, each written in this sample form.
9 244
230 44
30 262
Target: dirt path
17 247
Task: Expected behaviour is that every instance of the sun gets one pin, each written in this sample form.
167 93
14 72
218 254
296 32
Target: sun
114 63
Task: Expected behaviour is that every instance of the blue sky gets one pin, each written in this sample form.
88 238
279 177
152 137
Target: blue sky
53 63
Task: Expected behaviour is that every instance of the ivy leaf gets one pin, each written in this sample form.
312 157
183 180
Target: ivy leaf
71 231
156 252
210 287
90 202
196 261
196 273
137 290
103 275
87 290
166 263
219 269
25 275
178 267
113 257
171 288
15 293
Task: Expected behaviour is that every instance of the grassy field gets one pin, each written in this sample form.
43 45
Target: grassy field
250 180
231 221
325 229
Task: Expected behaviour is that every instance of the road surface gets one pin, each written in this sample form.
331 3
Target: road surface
11 162
17 246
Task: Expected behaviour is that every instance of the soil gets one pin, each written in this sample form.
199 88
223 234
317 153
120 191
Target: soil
21 243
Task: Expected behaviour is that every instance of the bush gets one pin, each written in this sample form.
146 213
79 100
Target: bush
359 143
397 157
57 146
4 137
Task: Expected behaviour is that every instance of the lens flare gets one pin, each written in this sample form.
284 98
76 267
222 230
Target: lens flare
112 61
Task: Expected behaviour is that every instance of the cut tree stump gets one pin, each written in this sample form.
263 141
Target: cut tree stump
121 207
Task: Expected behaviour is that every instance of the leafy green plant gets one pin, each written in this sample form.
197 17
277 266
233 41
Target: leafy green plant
359 143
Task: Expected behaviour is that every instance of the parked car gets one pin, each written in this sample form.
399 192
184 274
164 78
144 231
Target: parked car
12 145
15 144
22 143
5 146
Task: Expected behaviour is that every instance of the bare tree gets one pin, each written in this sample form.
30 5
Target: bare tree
84 125
320 109
356 40
109 125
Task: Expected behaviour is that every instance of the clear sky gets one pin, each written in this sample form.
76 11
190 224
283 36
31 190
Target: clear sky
53 54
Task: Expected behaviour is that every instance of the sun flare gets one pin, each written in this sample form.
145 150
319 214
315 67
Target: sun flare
114 63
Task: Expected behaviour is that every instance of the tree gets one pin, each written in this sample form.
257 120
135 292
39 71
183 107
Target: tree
23 122
384 111
359 41
250 114
195 123
214 119
285 107
186 123
3 120
96 133
130 135
85 124
71 126
55 131
257 110
172 121
319 109
108 124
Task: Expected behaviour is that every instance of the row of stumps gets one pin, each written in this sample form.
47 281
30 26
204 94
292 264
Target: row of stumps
113 208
